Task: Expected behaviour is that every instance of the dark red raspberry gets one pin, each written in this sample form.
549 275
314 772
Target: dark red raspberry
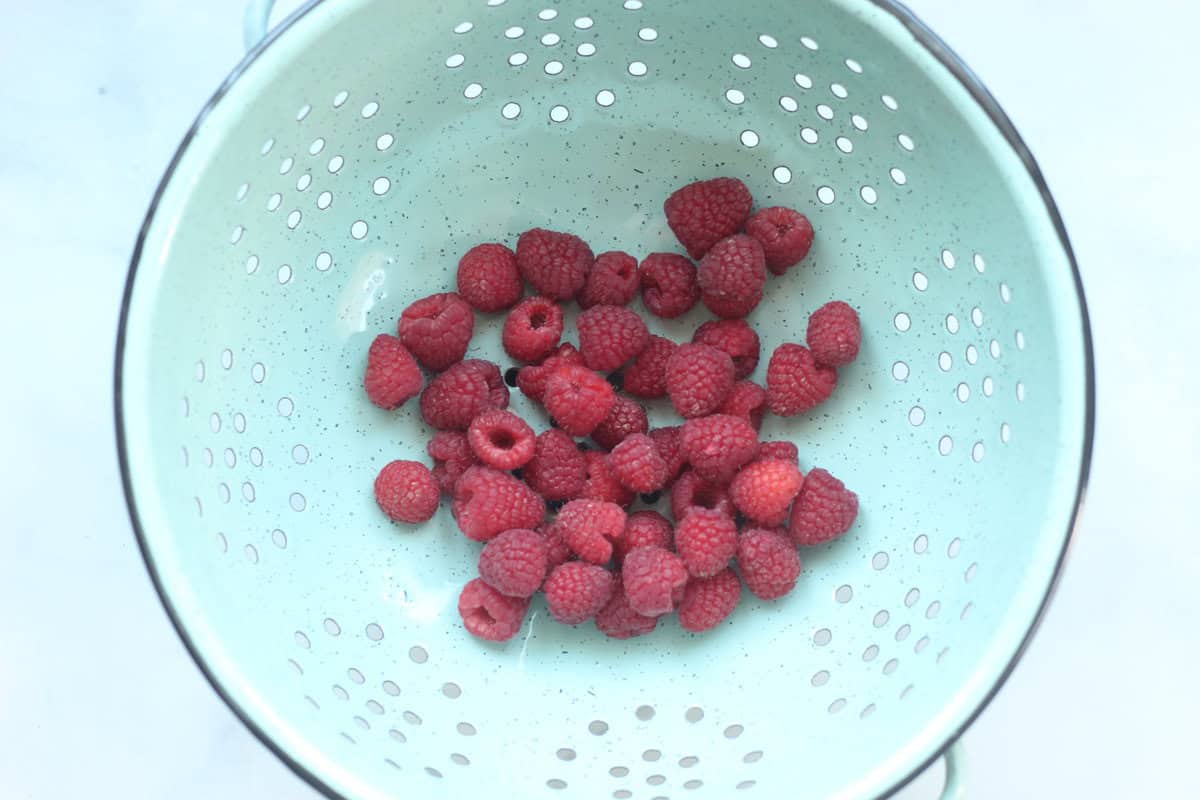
488 614
732 276
769 563
834 334
613 280
638 465
784 450
487 501
654 580
532 329
706 540
488 277
703 213
718 445
578 399
785 235
497 388
609 336
734 336
602 483
691 491
646 375
437 330
643 529
699 378
531 380
796 382
669 441
392 377
670 286
589 527
626 417
747 400
454 398
764 490
452 456
557 470
557 551
514 563
824 509
554 264
501 439
618 620
407 492
576 591
707 602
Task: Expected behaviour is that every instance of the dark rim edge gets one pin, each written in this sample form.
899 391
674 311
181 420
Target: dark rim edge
947 58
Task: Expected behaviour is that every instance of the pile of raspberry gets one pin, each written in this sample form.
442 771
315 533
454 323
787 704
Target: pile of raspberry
553 508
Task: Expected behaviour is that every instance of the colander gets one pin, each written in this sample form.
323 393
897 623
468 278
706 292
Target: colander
340 172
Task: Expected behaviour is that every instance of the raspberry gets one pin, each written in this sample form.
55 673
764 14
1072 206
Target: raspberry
732 276
578 399
407 491
782 450
437 330
735 337
557 551
612 281
703 213
706 540
690 492
602 483
717 446
646 376
769 563
488 614
644 529
669 284
488 278
638 465
557 470
576 591
834 334
452 456
618 620
624 418
699 378
609 336
669 442
497 388
454 398
654 580
589 527
747 400
532 329
796 382
555 264
501 439
785 236
764 490
824 509
487 501
514 563
708 601
392 377
531 380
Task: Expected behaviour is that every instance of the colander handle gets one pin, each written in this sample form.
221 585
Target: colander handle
956 783
254 23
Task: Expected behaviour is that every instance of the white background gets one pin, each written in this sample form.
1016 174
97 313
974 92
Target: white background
98 697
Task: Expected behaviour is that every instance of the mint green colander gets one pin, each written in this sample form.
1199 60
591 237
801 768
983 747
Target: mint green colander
338 175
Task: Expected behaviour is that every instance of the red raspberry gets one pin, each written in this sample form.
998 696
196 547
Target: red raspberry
691 492
497 389
531 380
669 442
732 276
796 382
699 378
488 277
452 456
785 236
654 580
618 620
532 329
557 470
487 501
747 400
501 439
613 280
557 551
717 446
590 527
554 264
669 284
407 492
644 529
392 377
708 601
578 399
706 540
514 563
703 213
625 418
576 591
488 614
454 398
834 334
824 509
764 490
437 330
638 465
646 376
609 336
769 562
783 450
602 483
734 336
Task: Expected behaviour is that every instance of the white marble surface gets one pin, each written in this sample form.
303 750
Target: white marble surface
99 699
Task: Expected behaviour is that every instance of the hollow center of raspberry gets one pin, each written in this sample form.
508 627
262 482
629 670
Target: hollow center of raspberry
481 618
705 497
782 228
502 439
537 319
